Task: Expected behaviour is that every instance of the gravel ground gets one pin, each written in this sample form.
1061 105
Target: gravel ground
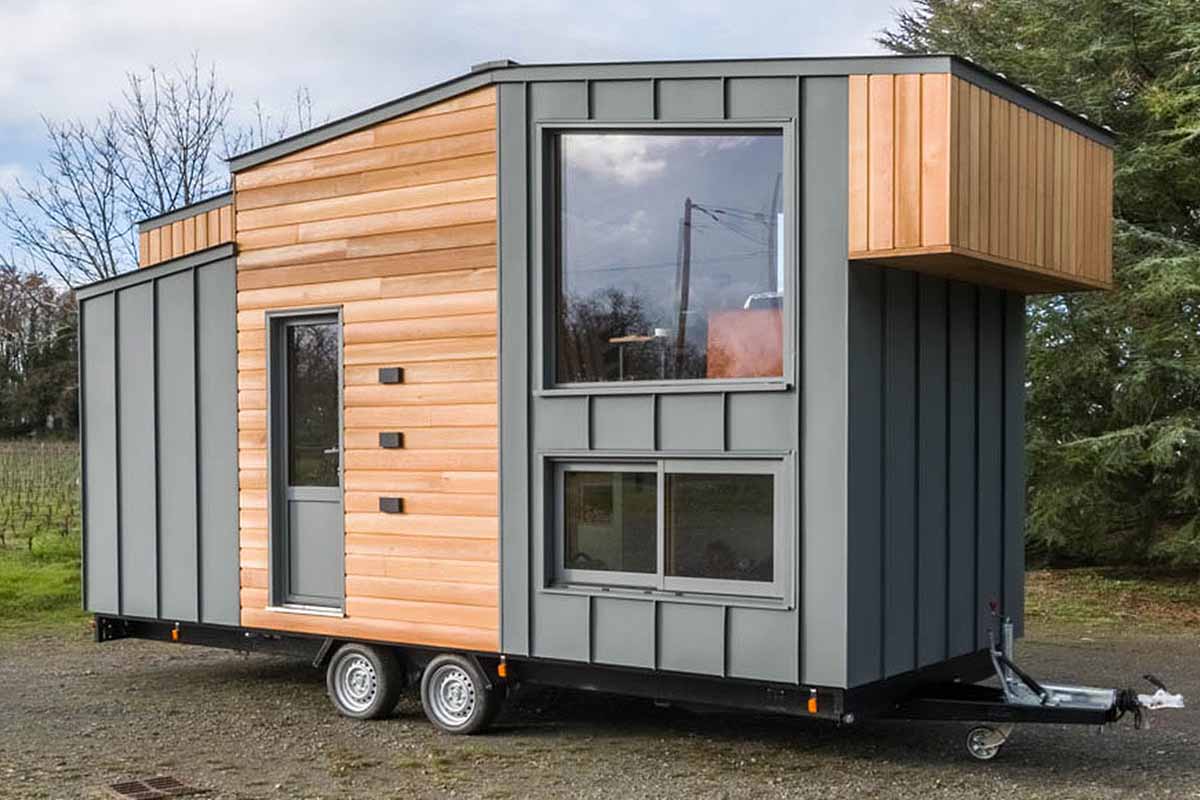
75 715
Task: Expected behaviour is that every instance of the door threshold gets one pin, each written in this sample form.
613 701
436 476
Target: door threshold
317 611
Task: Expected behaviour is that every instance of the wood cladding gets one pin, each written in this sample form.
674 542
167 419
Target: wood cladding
396 224
185 236
948 178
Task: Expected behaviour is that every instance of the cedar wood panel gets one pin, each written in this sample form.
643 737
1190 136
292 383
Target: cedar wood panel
948 178
395 223
185 236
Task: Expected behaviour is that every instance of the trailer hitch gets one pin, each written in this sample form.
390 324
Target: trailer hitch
1021 698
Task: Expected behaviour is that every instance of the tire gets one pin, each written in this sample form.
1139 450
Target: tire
456 696
364 682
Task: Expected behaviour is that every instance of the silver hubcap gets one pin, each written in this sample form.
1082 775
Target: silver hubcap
984 743
451 696
355 683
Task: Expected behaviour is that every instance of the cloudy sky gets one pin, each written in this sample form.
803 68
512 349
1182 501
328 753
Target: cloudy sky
67 58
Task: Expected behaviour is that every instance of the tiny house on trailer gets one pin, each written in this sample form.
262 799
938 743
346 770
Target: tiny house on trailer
701 381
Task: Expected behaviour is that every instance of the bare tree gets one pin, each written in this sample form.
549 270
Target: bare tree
158 148
73 222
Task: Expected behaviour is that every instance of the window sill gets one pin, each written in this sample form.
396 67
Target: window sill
659 595
309 611
666 387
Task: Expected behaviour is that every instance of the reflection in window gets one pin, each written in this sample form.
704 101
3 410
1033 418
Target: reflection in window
670 256
720 526
312 404
610 521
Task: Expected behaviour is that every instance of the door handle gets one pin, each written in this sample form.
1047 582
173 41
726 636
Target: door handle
331 451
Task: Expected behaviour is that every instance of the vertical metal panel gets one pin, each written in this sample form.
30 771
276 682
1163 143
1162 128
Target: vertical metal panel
562 423
622 101
761 643
515 476
900 404
622 423
100 454
561 627
931 471
760 421
691 638
824 382
989 481
135 414
691 422
864 553
935 416
623 632
216 375
961 468
761 98
690 98
176 410
1014 460
558 100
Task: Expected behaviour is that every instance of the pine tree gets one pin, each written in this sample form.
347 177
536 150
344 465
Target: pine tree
1113 408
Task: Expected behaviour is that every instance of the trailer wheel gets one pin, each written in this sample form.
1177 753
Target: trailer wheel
456 695
363 682
984 742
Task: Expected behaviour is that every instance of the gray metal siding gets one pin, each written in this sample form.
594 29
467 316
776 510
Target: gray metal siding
160 442
136 452
936 393
216 377
98 403
177 447
749 639
824 309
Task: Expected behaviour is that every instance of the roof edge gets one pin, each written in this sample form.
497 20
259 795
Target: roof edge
362 119
162 269
503 71
1022 95
183 212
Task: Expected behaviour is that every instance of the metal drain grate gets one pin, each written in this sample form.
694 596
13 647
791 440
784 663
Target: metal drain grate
158 788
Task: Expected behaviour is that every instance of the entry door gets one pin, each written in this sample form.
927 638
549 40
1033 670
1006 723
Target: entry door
306 451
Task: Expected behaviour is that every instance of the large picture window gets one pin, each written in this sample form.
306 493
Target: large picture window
669 256
672 525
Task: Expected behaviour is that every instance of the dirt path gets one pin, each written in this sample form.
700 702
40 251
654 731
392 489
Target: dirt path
74 715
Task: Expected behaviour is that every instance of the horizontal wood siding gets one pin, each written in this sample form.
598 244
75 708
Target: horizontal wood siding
185 236
397 225
948 178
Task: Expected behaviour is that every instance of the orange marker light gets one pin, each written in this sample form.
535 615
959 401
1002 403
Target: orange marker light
812 704
175 634
502 669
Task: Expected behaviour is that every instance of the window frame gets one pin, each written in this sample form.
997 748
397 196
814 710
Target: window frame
548 260
778 588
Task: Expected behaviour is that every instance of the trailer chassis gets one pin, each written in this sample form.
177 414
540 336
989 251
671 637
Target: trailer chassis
945 692
1020 698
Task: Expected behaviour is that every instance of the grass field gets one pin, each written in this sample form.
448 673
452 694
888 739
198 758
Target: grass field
39 534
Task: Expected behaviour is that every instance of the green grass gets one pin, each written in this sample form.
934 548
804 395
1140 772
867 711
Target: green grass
40 587
1114 598
39 535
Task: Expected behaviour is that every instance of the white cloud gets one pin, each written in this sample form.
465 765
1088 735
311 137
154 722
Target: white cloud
68 58
10 173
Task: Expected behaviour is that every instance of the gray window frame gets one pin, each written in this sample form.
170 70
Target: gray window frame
546 224
778 588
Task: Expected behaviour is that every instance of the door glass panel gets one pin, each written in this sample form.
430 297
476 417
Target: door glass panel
611 521
312 404
721 526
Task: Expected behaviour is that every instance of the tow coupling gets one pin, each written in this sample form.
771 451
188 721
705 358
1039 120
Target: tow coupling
1021 698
